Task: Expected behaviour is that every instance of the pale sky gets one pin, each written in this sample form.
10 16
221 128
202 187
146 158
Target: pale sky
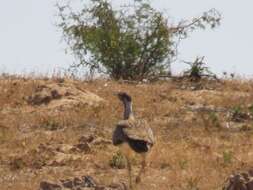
30 42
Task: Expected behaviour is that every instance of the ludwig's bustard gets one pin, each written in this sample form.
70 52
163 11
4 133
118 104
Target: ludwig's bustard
132 134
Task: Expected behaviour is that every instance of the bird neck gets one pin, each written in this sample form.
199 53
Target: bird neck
128 111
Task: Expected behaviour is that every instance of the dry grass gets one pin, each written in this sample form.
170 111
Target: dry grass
193 150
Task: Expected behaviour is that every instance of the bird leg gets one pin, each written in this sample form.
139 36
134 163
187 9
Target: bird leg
129 168
142 170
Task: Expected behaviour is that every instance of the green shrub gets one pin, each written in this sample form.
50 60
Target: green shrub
118 161
227 157
17 164
214 119
192 183
198 69
50 124
133 42
183 164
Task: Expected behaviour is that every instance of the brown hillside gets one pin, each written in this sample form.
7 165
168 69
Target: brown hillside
60 129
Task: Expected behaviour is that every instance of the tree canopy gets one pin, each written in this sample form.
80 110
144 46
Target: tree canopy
133 42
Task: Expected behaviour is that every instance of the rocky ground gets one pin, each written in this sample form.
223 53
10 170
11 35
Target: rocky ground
56 133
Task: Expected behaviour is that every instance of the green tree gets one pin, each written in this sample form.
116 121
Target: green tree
133 42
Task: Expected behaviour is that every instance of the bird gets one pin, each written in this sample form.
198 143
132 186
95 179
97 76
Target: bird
132 135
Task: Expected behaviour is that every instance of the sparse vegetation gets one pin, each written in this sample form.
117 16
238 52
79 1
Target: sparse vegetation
198 69
50 124
238 115
247 127
227 157
183 164
214 120
3 134
251 109
165 165
118 161
17 164
193 183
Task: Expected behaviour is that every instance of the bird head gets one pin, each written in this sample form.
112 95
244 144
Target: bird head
124 97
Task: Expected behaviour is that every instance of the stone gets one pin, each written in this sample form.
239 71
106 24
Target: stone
67 183
80 183
99 141
65 148
77 182
86 139
62 95
250 185
42 97
88 181
83 147
49 186
240 181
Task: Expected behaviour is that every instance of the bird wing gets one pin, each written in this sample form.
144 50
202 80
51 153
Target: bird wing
138 130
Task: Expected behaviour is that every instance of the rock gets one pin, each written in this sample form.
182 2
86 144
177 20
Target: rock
250 185
61 159
121 186
250 172
240 181
65 148
85 182
235 126
79 183
57 95
69 149
67 183
99 141
83 147
86 139
49 186
204 108
43 97
88 181
239 116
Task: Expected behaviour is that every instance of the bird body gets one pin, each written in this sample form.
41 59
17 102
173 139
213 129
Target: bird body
136 133
132 134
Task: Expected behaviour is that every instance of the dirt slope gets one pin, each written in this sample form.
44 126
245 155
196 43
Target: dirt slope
61 129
